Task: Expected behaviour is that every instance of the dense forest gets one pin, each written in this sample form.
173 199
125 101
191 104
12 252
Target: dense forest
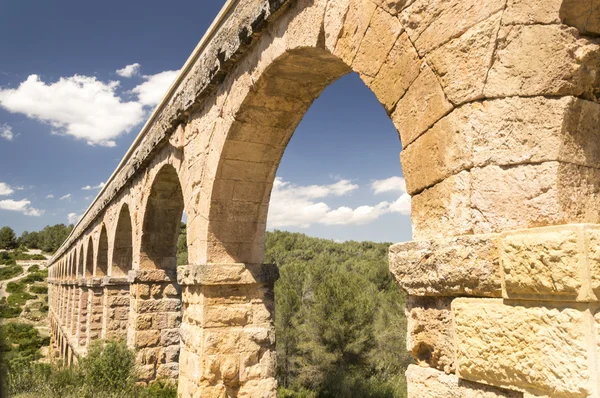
339 318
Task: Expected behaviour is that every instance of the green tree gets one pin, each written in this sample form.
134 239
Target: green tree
8 239
29 240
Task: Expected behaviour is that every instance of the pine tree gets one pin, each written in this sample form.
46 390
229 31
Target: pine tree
8 239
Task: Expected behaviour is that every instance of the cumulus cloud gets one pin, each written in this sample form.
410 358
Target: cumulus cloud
89 187
22 206
392 184
73 218
129 70
6 132
152 91
302 206
50 196
78 106
5 190
66 197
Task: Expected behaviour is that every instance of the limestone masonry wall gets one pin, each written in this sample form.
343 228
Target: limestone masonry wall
496 107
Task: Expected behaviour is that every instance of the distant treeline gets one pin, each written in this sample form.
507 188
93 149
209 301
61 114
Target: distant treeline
48 239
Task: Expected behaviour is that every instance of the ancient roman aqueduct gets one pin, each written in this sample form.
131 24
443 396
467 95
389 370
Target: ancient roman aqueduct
496 104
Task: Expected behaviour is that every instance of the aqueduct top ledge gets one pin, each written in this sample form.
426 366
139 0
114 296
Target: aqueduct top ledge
238 25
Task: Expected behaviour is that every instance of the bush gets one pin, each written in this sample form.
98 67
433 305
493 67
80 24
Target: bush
10 272
34 267
6 259
108 371
19 299
39 276
109 366
8 311
37 289
15 287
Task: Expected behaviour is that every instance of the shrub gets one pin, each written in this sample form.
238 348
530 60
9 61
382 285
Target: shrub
34 267
8 311
109 366
15 287
19 299
37 289
10 272
39 276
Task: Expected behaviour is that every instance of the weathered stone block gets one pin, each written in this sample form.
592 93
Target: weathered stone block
526 346
557 62
462 64
397 73
356 23
379 39
147 338
581 14
431 383
465 265
494 199
169 371
423 104
227 315
504 132
228 274
169 337
430 337
529 12
258 388
430 24
549 263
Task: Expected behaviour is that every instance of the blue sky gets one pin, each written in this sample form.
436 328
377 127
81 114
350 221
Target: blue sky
68 65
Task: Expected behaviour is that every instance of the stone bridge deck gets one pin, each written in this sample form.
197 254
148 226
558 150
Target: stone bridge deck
496 106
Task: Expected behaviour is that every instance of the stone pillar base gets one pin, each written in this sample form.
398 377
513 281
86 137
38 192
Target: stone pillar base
228 334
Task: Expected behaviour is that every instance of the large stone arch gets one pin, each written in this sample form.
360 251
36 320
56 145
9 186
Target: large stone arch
156 295
101 268
162 216
89 257
122 248
80 262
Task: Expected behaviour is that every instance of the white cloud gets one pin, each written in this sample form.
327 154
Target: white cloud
401 205
152 91
73 218
6 132
50 196
5 190
297 206
66 197
129 70
392 184
22 206
89 187
79 106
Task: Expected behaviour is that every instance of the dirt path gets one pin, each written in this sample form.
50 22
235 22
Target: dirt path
16 278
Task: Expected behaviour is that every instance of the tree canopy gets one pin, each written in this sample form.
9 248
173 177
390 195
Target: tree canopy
340 319
48 239
8 239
